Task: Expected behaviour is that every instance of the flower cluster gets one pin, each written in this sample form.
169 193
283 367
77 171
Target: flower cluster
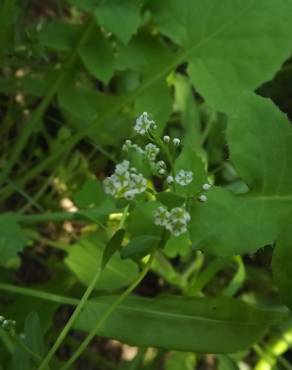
129 145
184 177
174 220
125 182
151 151
161 168
144 124
7 325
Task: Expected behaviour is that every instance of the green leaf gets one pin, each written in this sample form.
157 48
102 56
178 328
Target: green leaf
59 36
112 246
83 106
34 337
148 102
119 17
12 238
170 199
85 258
140 246
97 56
212 325
259 137
146 55
230 45
88 5
100 213
178 245
186 104
281 264
91 194
141 220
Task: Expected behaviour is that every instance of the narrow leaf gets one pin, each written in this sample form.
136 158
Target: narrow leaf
213 325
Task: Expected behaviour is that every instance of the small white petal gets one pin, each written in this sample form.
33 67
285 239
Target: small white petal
202 198
166 139
169 179
176 141
206 187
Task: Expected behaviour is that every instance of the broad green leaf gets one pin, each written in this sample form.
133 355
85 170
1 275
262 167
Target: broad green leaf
119 17
59 36
148 102
84 259
90 194
259 137
282 264
170 199
213 325
141 220
230 45
12 238
147 55
100 213
97 56
84 107
139 246
178 245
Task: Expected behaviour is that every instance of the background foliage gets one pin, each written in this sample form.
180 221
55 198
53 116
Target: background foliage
74 76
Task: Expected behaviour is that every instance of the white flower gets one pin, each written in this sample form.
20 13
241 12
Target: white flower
176 141
122 167
206 187
127 145
138 182
161 216
179 214
125 182
144 124
177 228
202 198
162 171
108 186
161 164
169 179
166 139
151 151
184 177
130 194
178 219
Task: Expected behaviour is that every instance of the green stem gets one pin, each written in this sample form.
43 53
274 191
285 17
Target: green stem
39 111
207 275
71 321
275 348
108 312
268 360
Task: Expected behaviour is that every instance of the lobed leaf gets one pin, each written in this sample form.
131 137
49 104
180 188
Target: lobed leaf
259 137
229 45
